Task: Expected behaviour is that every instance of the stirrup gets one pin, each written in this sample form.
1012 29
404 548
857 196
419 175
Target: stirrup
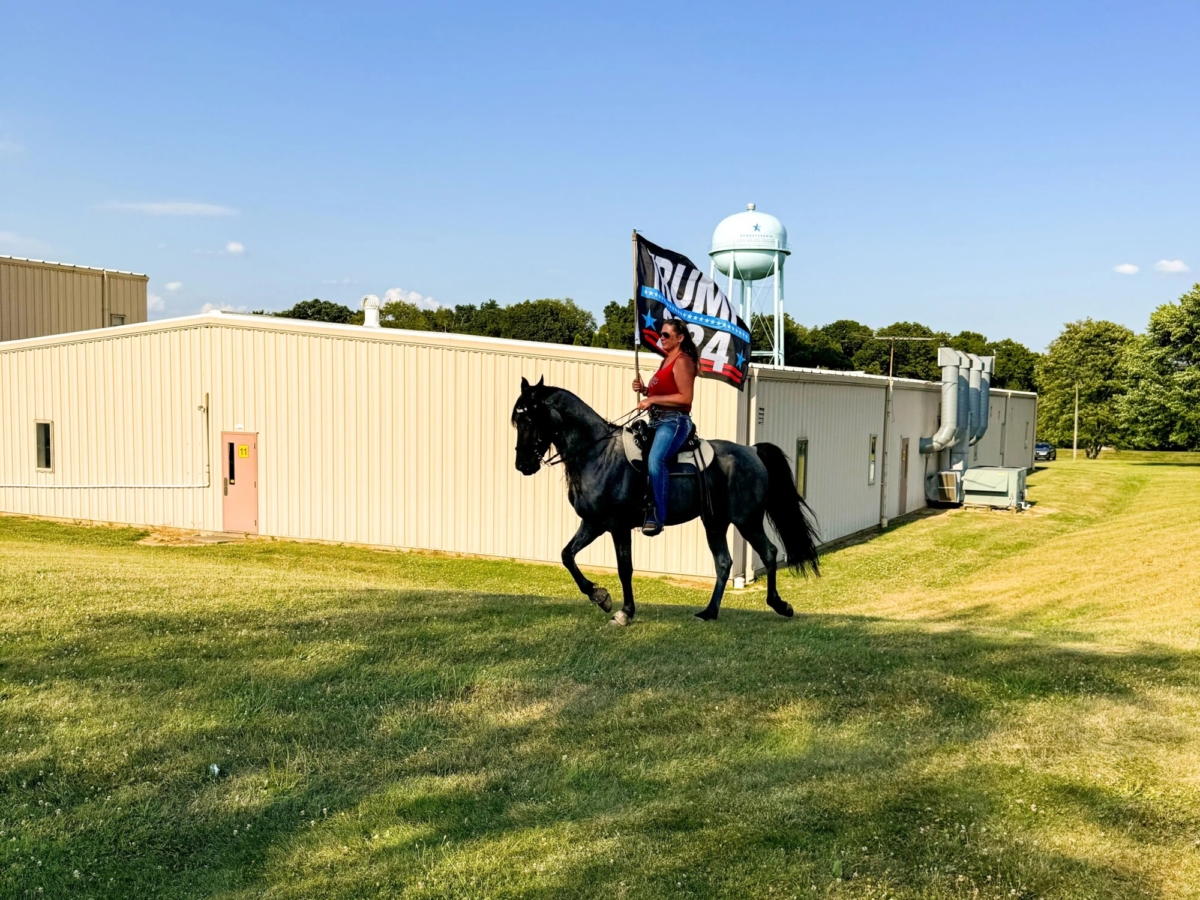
651 526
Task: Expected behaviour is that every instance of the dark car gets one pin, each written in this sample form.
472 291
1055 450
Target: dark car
1042 450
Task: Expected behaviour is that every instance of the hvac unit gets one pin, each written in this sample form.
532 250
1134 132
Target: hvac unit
995 487
945 487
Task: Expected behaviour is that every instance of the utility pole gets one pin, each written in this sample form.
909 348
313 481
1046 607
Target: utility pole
887 415
1075 442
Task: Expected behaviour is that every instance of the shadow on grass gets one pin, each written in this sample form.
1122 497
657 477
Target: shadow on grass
442 744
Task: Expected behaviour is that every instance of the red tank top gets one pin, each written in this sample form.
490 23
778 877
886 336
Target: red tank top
663 383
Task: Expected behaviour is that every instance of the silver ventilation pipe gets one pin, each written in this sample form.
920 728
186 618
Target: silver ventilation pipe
958 450
945 436
985 390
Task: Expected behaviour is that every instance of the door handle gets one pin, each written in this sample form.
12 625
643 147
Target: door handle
226 480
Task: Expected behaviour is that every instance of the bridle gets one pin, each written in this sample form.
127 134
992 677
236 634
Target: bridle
562 458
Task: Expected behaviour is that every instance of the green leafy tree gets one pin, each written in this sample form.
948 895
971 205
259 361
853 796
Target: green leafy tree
1092 355
1161 408
970 342
914 359
839 342
550 321
617 331
487 320
320 311
399 314
1016 365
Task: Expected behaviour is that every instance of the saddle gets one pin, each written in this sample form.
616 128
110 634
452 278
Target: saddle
693 457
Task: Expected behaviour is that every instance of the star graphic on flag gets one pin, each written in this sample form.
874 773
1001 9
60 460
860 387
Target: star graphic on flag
741 359
756 226
648 320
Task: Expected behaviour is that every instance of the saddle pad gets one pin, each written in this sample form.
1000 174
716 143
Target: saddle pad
687 457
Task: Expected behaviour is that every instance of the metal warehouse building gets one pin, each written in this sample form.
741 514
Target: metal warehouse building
394 438
39 298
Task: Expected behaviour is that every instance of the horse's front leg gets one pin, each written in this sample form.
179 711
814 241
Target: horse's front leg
585 535
623 541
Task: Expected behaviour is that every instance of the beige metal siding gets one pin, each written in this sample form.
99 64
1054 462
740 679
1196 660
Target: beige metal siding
126 297
837 418
1020 429
403 439
39 298
915 416
391 438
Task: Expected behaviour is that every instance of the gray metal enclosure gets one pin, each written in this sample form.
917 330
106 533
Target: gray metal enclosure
41 298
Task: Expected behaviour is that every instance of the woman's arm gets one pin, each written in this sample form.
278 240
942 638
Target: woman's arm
685 380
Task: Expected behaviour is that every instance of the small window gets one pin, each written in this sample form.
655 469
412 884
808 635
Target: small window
871 465
45 451
802 466
1026 435
762 415
116 321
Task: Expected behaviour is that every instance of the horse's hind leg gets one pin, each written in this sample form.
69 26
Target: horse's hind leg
757 538
584 536
623 541
724 563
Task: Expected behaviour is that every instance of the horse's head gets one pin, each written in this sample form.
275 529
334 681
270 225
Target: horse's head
535 424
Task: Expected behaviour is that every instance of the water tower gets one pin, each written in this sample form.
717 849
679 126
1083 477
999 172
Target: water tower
751 247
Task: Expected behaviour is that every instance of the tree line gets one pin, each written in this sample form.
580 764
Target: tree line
844 345
1137 391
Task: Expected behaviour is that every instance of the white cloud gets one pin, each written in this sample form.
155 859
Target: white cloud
1126 269
8 146
393 295
154 303
223 307
173 208
17 244
1170 265
173 285
235 248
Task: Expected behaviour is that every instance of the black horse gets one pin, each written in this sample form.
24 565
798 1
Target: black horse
745 485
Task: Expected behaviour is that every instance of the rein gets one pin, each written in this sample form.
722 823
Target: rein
621 421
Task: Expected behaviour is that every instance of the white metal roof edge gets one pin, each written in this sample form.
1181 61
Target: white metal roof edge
221 318
50 264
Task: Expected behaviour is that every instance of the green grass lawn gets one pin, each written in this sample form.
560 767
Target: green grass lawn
973 704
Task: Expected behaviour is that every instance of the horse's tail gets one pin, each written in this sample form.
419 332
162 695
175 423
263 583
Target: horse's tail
789 514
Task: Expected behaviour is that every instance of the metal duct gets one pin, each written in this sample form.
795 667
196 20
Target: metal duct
958 450
945 436
985 390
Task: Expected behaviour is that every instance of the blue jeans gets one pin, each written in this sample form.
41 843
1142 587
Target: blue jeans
671 430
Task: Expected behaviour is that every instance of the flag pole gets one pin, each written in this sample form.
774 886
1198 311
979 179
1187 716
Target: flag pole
637 342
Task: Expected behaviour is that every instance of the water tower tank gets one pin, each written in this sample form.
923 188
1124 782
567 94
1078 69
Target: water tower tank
749 241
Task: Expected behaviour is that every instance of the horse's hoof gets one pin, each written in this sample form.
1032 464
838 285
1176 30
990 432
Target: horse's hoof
781 606
705 616
619 619
602 598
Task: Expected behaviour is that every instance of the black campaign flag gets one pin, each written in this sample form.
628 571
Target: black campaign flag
669 286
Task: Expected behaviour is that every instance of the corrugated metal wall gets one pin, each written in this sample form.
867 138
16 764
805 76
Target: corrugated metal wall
388 437
403 438
40 298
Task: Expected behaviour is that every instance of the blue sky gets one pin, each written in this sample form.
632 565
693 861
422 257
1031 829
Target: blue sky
963 165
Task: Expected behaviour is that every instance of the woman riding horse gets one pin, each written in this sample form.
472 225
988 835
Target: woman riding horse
669 399
747 487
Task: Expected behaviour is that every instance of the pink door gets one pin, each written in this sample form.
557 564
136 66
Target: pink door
239 480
